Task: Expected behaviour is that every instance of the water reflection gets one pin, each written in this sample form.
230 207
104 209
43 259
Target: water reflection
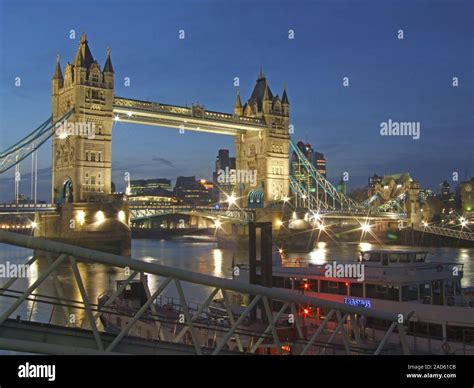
217 256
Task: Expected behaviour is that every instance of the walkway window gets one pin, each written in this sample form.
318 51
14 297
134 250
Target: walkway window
255 199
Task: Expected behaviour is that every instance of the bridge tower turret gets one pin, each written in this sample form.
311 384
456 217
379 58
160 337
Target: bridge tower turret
266 151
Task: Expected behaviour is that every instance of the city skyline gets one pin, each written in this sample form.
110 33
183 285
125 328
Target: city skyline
383 85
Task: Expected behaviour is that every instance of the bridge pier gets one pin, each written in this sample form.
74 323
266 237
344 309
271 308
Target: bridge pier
100 226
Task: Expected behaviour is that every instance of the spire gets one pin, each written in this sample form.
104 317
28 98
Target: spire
84 56
261 75
284 97
78 60
58 74
238 102
267 94
108 68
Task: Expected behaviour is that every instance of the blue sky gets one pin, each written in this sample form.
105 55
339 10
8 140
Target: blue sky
402 80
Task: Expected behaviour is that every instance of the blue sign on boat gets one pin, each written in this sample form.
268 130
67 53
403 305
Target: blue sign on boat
356 302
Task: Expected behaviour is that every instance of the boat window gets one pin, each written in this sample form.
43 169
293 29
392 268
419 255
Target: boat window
297 285
382 292
356 289
457 286
313 285
425 293
381 289
410 292
449 288
277 281
420 257
399 257
404 258
437 286
328 287
375 257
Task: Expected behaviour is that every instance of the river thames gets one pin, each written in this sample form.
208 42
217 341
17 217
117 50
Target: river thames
194 254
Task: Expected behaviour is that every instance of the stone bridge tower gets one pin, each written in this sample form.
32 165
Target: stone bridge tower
267 151
82 154
88 214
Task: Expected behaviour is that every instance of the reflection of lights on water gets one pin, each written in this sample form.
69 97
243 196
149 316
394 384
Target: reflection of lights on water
217 256
464 255
319 255
32 272
365 246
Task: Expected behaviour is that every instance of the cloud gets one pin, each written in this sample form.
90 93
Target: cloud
164 161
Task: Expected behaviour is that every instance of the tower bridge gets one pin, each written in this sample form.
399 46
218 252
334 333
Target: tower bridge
87 213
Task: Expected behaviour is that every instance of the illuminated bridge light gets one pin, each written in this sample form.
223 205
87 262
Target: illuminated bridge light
231 199
100 217
121 216
81 217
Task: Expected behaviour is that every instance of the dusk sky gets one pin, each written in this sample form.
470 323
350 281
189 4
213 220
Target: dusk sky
406 79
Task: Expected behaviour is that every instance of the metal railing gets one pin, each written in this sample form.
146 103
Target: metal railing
460 234
332 331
